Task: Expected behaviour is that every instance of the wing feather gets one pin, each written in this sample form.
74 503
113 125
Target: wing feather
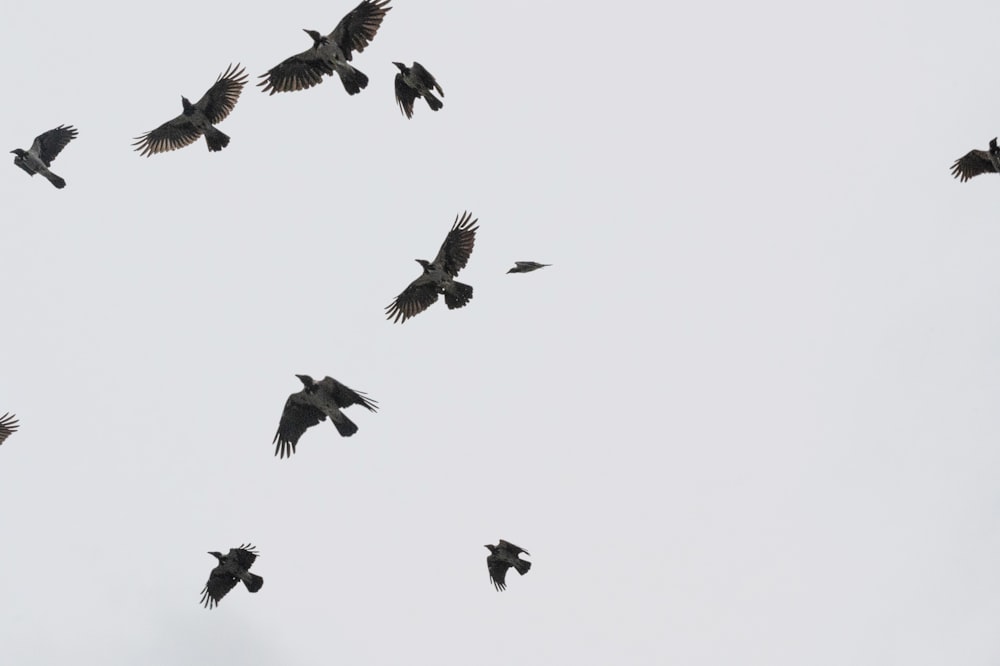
972 164
219 100
8 424
49 144
417 297
457 247
357 29
298 416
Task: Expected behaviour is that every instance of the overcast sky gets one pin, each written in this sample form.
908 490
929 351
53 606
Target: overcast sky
749 416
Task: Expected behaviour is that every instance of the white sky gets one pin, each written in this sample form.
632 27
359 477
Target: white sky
748 417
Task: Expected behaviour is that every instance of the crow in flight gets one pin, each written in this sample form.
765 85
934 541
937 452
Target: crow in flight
976 162
232 568
503 556
8 424
526 266
414 82
315 402
44 149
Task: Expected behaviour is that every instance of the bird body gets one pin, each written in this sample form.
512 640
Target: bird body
315 403
413 82
8 424
233 567
526 266
976 162
44 149
502 557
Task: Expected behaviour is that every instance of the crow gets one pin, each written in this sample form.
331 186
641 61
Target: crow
8 424
44 149
438 276
503 556
232 568
414 82
330 53
526 266
199 118
976 162
315 402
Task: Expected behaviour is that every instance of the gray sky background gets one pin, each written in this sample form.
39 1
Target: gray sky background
749 416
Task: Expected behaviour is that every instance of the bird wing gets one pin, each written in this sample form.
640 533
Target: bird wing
245 555
298 416
49 144
972 164
405 96
425 78
498 571
299 72
8 424
220 99
344 396
417 297
457 246
171 135
511 548
357 29
218 585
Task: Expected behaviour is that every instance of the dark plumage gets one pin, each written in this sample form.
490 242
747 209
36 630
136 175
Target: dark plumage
503 556
976 162
438 276
8 424
315 402
198 119
526 266
413 82
44 149
330 53
233 567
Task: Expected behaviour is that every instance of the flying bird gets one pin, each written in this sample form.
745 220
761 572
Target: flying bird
976 162
198 118
330 54
414 82
503 556
315 402
8 424
233 567
438 276
526 266
44 149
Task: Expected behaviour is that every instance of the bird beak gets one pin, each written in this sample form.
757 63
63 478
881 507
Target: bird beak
14 151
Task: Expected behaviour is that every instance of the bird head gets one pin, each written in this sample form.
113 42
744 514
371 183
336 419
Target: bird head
306 380
402 67
188 106
492 548
316 37
423 262
218 555
993 146
513 270
19 152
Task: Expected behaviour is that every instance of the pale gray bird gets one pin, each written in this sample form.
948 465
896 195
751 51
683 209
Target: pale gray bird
44 149
198 119
8 424
413 82
503 556
233 567
439 275
313 404
526 266
976 162
330 54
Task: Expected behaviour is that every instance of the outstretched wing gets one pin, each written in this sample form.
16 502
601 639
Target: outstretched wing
297 417
972 164
498 571
49 144
511 548
220 99
357 29
417 297
299 72
8 424
218 585
245 555
171 135
425 78
405 96
457 246
345 396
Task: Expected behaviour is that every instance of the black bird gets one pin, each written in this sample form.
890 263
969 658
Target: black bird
438 276
330 53
503 556
8 424
976 162
198 118
44 149
526 266
232 568
315 402
414 82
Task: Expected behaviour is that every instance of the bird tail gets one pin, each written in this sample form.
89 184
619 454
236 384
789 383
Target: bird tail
433 101
253 582
522 566
457 295
216 139
345 426
54 179
354 80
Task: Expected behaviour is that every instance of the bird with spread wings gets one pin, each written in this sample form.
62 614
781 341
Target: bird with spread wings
413 82
503 556
976 162
44 149
233 567
313 404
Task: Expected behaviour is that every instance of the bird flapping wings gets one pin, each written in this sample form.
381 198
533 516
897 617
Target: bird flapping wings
49 144
8 424
357 29
220 99
298 416
299 72
417 297
972 164
457 247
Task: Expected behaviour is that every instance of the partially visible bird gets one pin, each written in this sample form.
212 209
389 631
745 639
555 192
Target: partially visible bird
44 149
413 82
503 556
438 276
198 118
330 53
233 567
976 162
8 424
526 266
311 405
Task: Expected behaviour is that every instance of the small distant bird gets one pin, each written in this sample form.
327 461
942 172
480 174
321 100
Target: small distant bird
8 424
976 162
233 567
198 118
44 149
438 276
315 402
503 556
526 266
414 82
330 53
